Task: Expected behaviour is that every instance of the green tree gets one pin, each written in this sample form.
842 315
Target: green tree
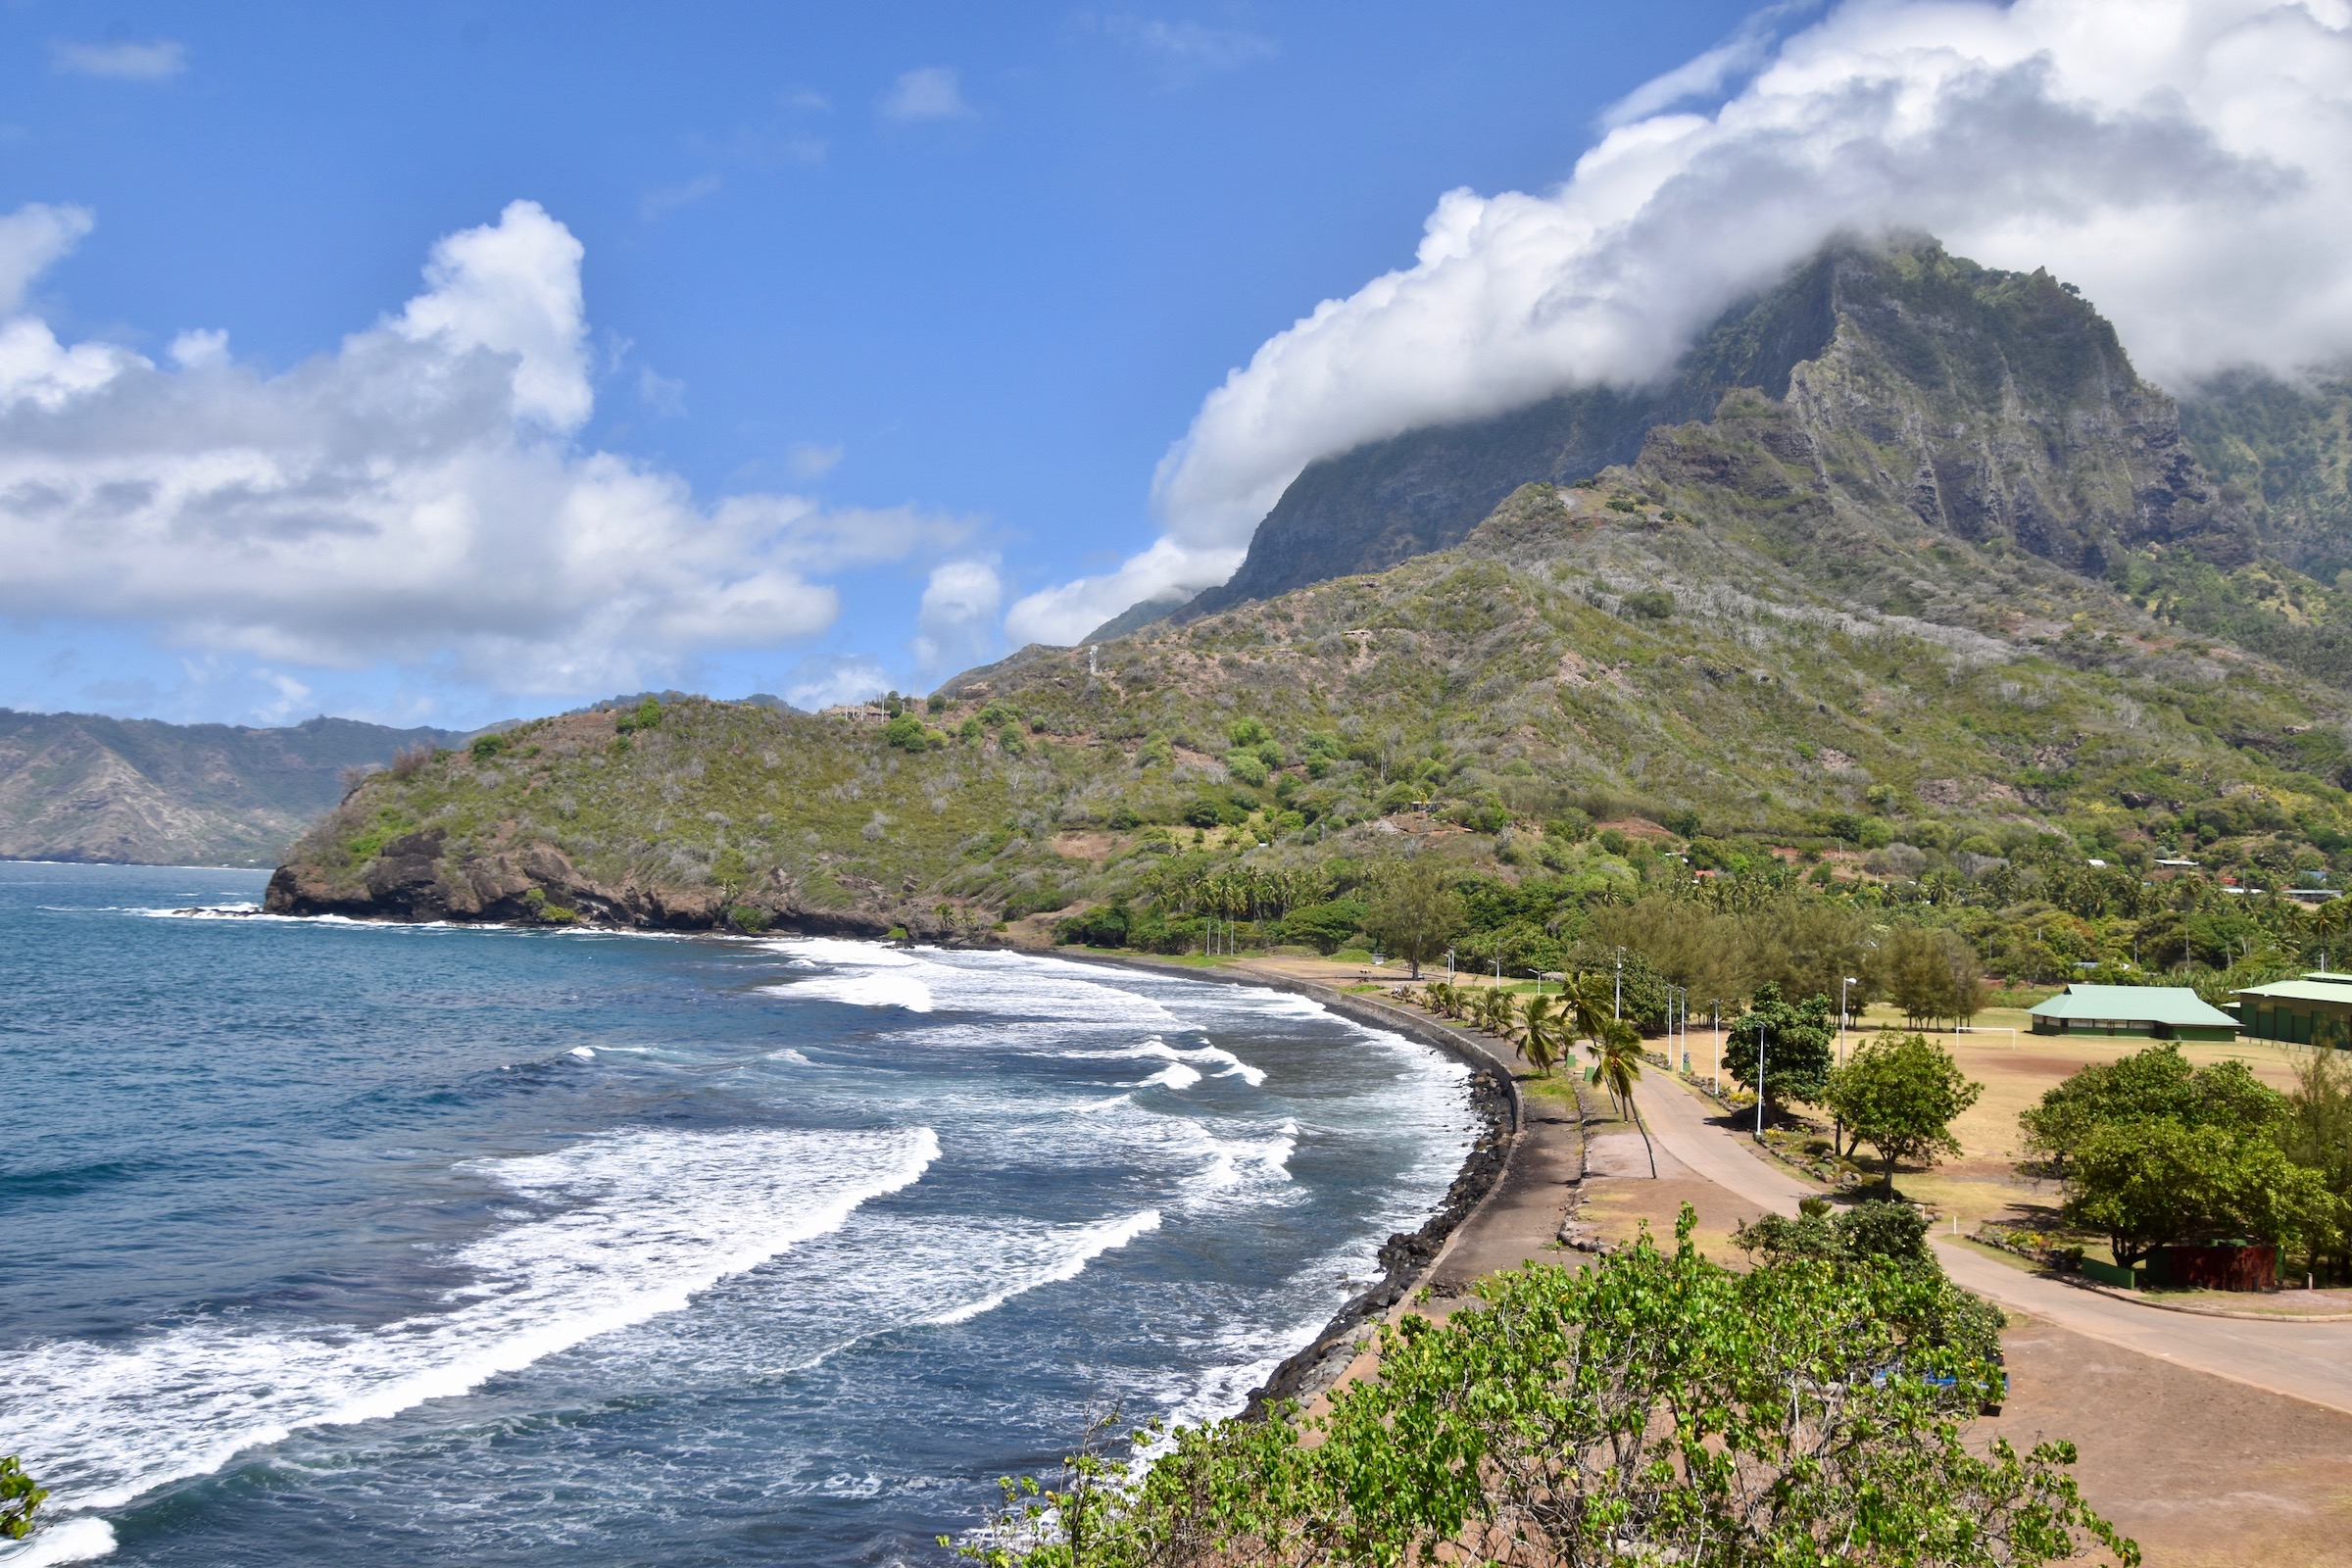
1932 975
1543 1031
1901 1098
2148 1085
1796 1039
1653 1408
19 1497
1617 1067
2147 1182
1413 915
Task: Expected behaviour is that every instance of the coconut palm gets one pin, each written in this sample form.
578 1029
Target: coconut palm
1617 1067
1543 1032
1495 1011
1586 1001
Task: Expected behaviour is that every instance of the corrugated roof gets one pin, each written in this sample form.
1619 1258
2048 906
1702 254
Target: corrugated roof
2320 985
2173 1004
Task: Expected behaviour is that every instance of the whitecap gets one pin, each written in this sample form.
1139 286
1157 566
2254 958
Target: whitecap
862 991
584 1053
79 1538
1084 1246
628 1227
1175 1075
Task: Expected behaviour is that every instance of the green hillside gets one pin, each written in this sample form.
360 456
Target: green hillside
1910 634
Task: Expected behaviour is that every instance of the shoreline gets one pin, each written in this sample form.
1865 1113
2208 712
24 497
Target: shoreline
1408 1259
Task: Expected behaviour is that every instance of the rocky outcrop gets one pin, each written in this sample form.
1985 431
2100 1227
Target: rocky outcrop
413 878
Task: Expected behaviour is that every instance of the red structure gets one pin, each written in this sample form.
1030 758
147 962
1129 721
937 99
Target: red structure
2231 1267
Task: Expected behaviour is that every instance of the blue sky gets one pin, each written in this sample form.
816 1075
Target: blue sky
1004 311
447 363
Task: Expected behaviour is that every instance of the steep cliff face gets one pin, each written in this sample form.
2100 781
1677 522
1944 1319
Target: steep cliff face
1984 404
1425 490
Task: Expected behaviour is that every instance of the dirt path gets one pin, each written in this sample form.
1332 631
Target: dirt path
2310 1361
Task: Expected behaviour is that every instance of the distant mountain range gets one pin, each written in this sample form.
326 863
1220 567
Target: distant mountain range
82 787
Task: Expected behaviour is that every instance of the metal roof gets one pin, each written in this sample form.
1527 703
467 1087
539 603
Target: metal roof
2320 985
2173 1004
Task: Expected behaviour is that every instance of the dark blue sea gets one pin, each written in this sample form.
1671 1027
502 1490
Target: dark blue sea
332 1243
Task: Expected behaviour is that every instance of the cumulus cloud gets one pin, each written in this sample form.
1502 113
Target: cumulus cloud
2187 163
155 61
932 92
33 239
823 681
413 496
956 624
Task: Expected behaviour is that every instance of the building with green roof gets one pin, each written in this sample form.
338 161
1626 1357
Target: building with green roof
2317 1007
2161 1012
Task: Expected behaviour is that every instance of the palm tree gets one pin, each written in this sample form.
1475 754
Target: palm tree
1543 1031
1586 1001
1617 1067
1495 1011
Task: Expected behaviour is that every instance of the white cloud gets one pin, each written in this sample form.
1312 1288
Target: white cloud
664 397
837 678
33 239
512 287
931 92
664 200
155 61
958 621
808 460
412 497
1066 613
2187 163
1189 45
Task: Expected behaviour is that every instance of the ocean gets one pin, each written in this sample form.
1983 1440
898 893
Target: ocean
323 1241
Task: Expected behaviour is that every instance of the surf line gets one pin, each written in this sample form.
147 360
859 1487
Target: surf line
1405 1259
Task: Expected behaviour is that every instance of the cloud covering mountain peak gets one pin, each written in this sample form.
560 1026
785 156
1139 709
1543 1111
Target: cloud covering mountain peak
2187 163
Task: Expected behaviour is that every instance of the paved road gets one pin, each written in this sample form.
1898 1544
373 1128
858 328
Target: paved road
2310 1361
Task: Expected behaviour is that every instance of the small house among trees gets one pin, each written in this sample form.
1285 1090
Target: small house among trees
2160 1012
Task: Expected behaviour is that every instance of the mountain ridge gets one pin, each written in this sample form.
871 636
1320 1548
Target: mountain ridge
89 787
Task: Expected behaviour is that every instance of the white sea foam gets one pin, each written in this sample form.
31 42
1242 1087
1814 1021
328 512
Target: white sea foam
76 1538
584 1053
630 1226
883 990
1175 1075
1084 1246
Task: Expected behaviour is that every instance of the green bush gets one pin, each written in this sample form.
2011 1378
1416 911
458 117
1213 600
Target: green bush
647 715
749 920
1654 603
487 747
1246 766
905 732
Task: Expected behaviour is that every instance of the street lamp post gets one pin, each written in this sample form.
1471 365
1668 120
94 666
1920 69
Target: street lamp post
1845 988
1715 1078
1617 1004
1759 1080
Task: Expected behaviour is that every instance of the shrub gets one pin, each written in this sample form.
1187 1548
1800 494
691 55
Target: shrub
1155 752
1571 826
1654 603
648 715
905 732
1247 732
411 760
487 747
544 909
747 918
1246 766
935 702
1123 819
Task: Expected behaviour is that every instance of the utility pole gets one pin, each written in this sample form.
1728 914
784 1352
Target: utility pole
1617 1006
1759 1080
1715 1078
1845 988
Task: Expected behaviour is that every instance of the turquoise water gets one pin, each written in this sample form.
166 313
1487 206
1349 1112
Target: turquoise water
419 1244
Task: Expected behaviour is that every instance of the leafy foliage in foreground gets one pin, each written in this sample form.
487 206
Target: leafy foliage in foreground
19 1497
1653 1408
